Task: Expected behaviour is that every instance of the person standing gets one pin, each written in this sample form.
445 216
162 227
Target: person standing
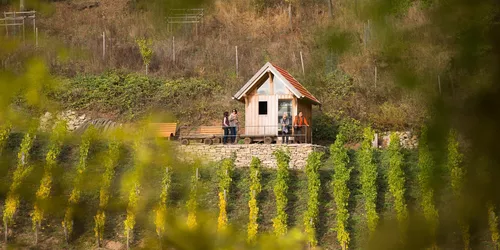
300 125
234 123
226 127
285 128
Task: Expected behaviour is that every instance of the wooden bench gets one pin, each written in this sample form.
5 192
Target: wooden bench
165 130
208 135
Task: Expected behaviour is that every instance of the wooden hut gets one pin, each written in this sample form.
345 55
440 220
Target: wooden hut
267 95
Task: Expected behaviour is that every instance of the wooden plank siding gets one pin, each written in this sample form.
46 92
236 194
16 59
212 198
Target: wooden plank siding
256 124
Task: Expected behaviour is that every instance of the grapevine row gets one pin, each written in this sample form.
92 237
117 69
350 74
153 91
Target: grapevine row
368 171
313 187
22 170
112 156
140 161
43 193
457 173
340 189
161 210
74 197
493 225
426 166
4 135
281 192
396 180
255 189
224 172
192 203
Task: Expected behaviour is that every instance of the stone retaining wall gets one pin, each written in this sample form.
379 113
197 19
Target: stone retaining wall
244 153
407 139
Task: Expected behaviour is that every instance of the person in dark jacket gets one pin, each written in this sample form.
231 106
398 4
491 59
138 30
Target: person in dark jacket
285 128
234 123
226 127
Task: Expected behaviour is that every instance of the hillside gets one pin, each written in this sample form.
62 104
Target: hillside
340 53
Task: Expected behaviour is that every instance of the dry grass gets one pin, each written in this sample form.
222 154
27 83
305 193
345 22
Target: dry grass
260 37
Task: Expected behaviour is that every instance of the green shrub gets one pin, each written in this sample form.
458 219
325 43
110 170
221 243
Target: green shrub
324 128
351 129
130 96
112 93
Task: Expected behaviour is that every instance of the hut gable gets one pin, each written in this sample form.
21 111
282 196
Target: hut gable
260 78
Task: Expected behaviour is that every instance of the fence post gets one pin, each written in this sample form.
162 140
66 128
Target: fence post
24 32
302 62
173 49
103 45
439 84
236 48
311 136
36 37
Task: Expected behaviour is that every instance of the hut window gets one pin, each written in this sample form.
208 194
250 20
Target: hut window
279 87
284 106
263 108
264 88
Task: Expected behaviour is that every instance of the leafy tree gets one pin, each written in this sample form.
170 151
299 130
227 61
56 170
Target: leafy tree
146 51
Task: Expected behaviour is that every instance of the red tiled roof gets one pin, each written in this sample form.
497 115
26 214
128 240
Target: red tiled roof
296 84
